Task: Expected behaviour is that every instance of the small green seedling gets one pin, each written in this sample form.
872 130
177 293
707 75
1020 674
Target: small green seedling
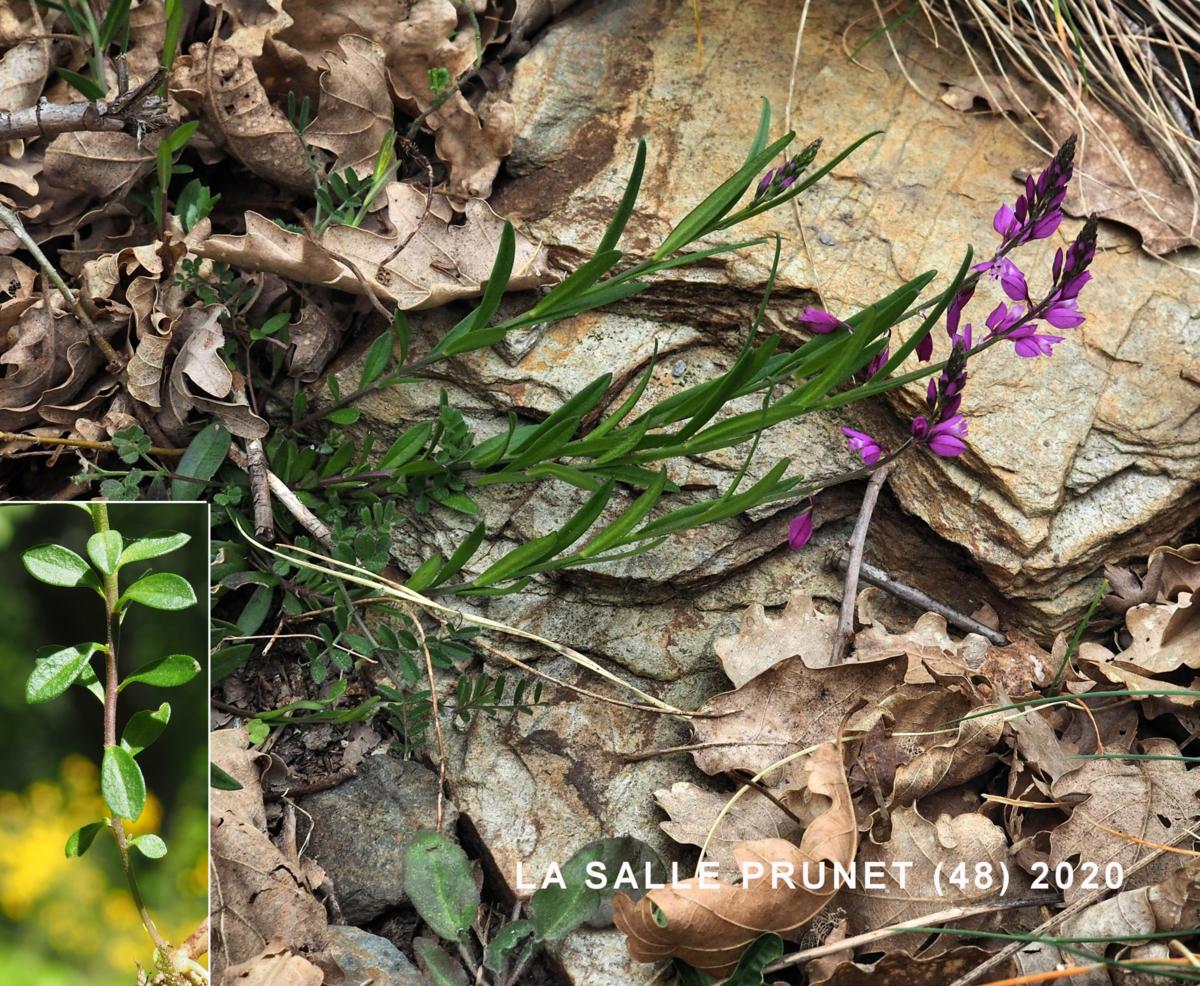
57 668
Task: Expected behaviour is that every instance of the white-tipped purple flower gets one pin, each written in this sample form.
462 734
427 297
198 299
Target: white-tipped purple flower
948 438
1064 314
1029 343
862 443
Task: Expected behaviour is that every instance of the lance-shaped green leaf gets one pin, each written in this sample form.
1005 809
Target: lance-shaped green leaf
762 952
165 672
160 590
80 841
151 846
222 780
201 460
439 882
122 784
152 546
56 565
510 948
104 549
437 965
144 727
53 674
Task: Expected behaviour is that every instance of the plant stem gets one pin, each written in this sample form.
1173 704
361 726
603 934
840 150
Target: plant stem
12 436
99 511
858 540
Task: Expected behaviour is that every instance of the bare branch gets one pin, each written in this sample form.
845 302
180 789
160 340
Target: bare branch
136 112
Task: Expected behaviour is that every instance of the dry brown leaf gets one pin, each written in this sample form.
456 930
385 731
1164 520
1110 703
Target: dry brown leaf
315 336
1180 570
920 846
761 642
927 644
1148 800
355 108
102 165
708 925
473 143
694 809
442 262
222 87
254 22
900 967
259 898
23 71
786 709
275 965
1144 197
1166 638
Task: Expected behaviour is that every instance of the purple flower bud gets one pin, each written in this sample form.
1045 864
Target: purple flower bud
765 182
818 320
1005 222
878 361
864 445
931 393
955 309
800 530
1072 286
925 348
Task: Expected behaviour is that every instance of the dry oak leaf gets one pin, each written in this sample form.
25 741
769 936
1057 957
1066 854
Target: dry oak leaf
709 924
355 108
442 262
693 811
1166 637
1180 571
901 967
761 642
258 896
23 72
473 143
919 846
927 644
788 708
1116 802
102 165
254 22
221 85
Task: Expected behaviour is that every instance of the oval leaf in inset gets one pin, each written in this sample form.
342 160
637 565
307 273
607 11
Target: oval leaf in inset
150 846
439 882
104 549
165 672
161 590
122 784
52 675
80 841
144 727
152 547
56 565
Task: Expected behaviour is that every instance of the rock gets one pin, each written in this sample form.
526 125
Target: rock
360 830
367 958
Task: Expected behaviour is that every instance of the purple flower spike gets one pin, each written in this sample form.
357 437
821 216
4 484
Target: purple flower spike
1029 343
864 445
818 320
800 530
1002 318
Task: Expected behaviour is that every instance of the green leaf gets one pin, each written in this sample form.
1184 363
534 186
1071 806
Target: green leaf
437 965
56 565
104 549
203 457
52 675
376 360
122 784
144 727
223 781
116 18
149 845
165 672
462 554
257 731
423 577
153 546
616 226
80 841
344 416
510 948
407 446
160 590
762 952
88 87
439 882
460 338
177 139
557 911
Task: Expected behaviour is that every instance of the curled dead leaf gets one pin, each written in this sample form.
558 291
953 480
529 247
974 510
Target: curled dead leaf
709 924
355 107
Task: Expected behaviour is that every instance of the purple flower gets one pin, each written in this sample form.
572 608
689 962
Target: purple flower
1002 319
864 445
800 530
1029 343
1036 213
1064 314
818 320
925 348
878 361
1006 223
946 438
765 183
1010 276
955 309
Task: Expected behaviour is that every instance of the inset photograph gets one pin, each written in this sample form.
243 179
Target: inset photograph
104 799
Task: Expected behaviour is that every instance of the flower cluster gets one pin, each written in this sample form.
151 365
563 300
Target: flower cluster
779 180
1036 214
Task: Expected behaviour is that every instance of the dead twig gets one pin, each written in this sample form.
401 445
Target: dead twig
845 630
305 517
256 469
138 111
13 436
881 579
